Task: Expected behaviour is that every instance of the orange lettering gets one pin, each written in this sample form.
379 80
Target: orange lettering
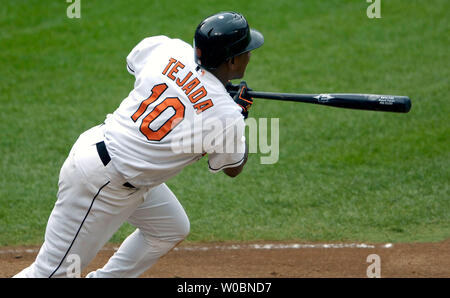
190 86
204 105
198 94
181 83
157 90
174 70
171 61
160 133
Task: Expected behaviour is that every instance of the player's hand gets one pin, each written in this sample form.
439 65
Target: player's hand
241 96
231 88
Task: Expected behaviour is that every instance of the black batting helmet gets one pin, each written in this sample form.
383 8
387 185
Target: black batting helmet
222 36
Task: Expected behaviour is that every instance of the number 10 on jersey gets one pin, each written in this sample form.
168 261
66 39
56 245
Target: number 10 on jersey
168 102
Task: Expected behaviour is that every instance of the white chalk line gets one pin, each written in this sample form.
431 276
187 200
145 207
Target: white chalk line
281 246
268 246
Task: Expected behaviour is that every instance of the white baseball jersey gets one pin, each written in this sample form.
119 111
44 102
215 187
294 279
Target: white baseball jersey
175 114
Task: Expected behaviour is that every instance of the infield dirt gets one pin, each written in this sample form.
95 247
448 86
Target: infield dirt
241 260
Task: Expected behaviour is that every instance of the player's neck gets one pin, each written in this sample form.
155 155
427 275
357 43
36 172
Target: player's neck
222 78
222 73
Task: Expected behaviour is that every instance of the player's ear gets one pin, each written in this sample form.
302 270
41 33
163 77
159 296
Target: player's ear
231 63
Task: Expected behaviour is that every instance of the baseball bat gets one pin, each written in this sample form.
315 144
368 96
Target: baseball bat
372 102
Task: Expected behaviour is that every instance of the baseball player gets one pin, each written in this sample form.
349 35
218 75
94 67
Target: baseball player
116 171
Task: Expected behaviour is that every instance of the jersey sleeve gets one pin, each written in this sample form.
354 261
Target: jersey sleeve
229 152
137 58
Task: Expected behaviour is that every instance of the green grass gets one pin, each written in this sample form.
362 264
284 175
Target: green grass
342 175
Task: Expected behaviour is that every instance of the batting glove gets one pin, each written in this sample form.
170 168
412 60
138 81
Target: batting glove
240 96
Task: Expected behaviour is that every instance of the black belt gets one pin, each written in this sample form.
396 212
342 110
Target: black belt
104 156
103 153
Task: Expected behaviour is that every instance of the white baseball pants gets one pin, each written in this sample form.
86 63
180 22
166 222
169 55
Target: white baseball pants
92 204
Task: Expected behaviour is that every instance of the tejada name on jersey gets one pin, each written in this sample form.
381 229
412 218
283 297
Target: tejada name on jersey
188 87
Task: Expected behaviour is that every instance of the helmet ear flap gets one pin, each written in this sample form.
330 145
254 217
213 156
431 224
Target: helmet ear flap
198 52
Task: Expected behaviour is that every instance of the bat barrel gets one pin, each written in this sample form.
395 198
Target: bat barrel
373 102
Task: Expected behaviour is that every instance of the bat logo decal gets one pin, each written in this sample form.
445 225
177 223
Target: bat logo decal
382 99
323 97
